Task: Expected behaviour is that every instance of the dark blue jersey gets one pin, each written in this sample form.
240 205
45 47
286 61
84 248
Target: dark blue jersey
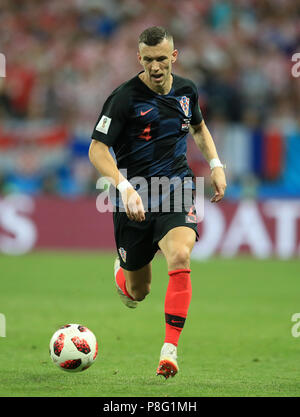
147 130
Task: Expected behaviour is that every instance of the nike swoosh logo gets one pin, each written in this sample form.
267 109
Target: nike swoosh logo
173 321
145 112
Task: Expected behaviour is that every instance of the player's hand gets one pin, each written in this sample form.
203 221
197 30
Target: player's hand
218 182
133 205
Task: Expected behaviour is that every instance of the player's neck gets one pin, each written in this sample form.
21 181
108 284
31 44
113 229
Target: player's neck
163 89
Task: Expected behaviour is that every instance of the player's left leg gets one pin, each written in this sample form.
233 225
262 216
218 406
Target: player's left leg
176 246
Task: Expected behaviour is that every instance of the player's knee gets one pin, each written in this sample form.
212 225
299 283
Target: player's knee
139 293
179 258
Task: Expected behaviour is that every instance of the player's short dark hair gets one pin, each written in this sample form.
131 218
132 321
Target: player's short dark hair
154 35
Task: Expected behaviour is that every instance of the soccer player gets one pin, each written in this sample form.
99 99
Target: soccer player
146 121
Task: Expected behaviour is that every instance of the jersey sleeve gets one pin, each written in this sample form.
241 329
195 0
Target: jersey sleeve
196 112
112 119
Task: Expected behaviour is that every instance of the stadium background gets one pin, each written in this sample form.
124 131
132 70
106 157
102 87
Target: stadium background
62 60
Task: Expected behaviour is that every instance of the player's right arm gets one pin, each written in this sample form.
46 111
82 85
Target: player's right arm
103 161
108 131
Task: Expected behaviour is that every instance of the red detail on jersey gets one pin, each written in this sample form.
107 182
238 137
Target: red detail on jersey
96 351
145 112
146 133
191 216
81 345
71 364
59 344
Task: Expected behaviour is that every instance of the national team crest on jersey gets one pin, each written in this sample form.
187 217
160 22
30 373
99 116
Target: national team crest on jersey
185 104
123 254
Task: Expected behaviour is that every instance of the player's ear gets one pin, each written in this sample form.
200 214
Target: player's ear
139 57
174 56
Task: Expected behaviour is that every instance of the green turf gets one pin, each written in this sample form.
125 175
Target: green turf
236 342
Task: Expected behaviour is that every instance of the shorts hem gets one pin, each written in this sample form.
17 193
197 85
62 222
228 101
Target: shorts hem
135 267
190 226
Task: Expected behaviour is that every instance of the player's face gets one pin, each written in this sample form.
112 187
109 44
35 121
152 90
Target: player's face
157 62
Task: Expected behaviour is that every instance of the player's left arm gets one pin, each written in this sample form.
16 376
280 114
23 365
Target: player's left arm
205 143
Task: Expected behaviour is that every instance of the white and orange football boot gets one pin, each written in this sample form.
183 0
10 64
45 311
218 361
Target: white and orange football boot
168 361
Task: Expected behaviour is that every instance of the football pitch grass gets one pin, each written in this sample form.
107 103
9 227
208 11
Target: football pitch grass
237 339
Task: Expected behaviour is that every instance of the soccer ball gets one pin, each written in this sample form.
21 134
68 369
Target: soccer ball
73 348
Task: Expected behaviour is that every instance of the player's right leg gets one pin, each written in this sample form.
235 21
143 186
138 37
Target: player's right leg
136 251
132 286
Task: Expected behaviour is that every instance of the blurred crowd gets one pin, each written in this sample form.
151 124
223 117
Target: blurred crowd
63 58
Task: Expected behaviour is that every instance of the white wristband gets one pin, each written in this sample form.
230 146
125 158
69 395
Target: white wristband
123 185
215 162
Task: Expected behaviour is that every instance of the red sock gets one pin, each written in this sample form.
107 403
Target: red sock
177 301
121 281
